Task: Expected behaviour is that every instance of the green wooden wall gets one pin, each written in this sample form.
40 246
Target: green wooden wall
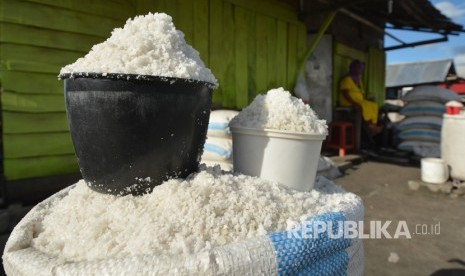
250 46
376 70
38 37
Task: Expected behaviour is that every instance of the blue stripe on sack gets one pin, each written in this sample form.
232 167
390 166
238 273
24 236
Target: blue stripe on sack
419 125
431 133
321 255
217 150
423 110
218 126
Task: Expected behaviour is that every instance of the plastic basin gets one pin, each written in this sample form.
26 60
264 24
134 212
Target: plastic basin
131 133
434 170
286 157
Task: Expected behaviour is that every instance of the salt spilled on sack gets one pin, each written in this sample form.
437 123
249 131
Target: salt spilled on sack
146 45
279 110
180 217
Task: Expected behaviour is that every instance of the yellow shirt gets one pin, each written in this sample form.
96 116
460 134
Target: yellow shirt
369 108
355 92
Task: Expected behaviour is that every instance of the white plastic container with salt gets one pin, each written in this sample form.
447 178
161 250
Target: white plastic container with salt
278 138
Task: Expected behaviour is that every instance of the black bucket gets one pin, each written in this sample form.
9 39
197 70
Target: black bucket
131 133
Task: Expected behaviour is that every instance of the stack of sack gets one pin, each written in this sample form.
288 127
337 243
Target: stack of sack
218 147
420 130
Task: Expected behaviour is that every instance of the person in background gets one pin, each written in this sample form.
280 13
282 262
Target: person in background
351 93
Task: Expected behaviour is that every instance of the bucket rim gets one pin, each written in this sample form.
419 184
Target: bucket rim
277 133
432 160
129 77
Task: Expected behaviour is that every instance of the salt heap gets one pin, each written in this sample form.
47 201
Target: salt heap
279 110
146 45
180 217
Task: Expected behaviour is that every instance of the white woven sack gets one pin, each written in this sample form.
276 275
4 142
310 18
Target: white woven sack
217 149
431 93
218 125
273 254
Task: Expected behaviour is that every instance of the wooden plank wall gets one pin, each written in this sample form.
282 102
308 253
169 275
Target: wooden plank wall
37 38
250 46
376 69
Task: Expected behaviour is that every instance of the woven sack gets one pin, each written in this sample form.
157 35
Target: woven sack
423 108
431 93
218 125
281 253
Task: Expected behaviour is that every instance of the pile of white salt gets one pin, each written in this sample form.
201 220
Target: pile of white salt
279 110
146 45
179 217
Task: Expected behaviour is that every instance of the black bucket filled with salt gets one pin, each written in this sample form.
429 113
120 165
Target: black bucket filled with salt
131 132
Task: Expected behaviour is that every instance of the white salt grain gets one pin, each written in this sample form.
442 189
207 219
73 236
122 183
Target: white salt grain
146 45
393 257
279 110
179 217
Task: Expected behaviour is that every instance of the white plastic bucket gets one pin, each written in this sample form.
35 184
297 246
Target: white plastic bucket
434 170
286 157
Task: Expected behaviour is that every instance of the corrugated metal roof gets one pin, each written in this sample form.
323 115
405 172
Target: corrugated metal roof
419 14
408 14
409 74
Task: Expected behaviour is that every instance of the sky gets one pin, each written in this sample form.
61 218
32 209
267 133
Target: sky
454 48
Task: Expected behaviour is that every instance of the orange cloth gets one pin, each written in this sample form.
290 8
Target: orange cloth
369 108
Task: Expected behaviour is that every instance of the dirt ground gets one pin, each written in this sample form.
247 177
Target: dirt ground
386 196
